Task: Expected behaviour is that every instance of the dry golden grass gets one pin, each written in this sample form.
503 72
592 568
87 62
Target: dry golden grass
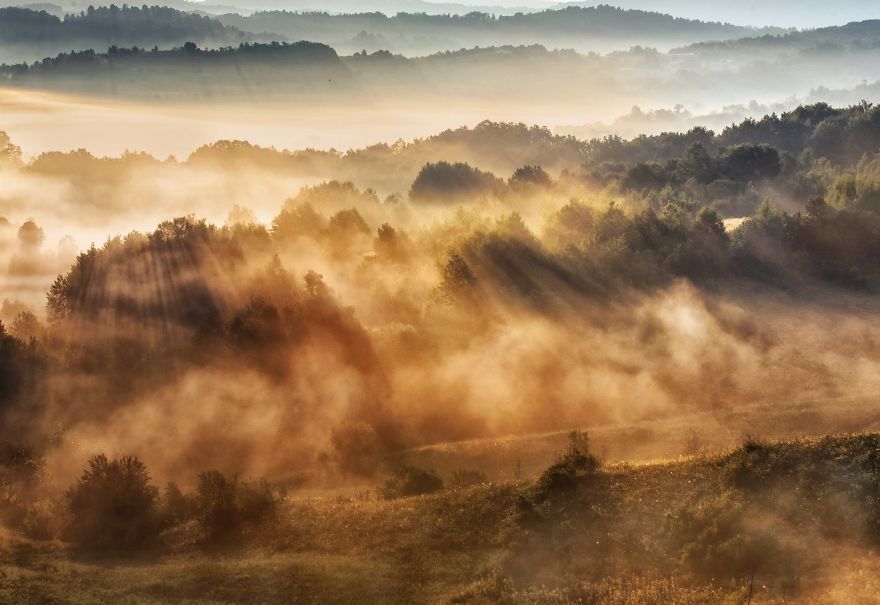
620 539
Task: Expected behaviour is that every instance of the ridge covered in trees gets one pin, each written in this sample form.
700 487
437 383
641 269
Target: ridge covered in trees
583 28
30 34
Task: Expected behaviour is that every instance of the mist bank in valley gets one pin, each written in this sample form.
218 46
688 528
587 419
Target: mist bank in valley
529 80
795 155
602 290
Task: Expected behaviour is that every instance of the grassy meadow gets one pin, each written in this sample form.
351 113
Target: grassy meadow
793 521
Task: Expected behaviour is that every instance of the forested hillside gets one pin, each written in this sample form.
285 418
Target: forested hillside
32 35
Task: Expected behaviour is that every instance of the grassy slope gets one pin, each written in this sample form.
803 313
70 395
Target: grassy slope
660 438
803 516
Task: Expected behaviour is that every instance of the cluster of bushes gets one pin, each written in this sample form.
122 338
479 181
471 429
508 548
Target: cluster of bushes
115 507
576 467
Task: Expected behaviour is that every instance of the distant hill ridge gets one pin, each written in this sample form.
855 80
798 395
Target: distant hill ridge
28 35
864 34
602 20
40 31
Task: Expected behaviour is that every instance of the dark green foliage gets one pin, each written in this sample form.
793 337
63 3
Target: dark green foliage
529 175
644 176
411 481
739 163
447 183
749 162
226 506
113 506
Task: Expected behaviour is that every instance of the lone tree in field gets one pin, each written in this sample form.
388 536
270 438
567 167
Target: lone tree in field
113 505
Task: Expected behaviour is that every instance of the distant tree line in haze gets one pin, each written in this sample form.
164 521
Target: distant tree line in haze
106 26
584 28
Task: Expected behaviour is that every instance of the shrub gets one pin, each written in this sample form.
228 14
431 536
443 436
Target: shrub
224 505
113 505
572 469
751 466
411 481
723 536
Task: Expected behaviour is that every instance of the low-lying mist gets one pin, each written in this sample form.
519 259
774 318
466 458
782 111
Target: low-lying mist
316 344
